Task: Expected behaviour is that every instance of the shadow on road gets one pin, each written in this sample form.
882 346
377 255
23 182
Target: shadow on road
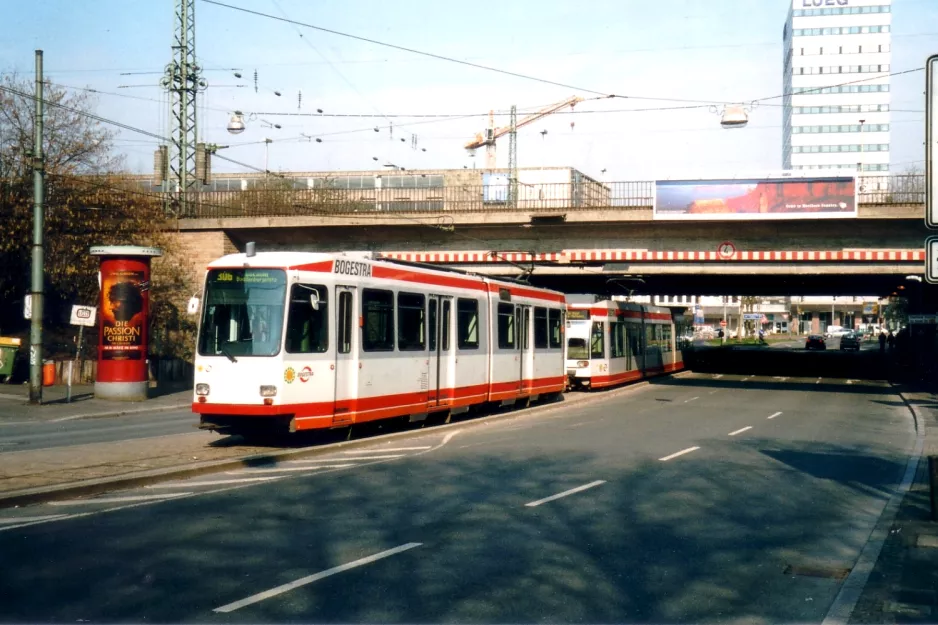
770 385
704 539
863 365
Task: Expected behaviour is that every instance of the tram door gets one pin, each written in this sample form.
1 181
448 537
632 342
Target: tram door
441 357
526 352
346 355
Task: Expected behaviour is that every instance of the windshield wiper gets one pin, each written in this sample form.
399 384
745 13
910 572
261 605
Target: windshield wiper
224 350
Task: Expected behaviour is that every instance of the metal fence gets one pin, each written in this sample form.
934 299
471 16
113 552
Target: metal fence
531 198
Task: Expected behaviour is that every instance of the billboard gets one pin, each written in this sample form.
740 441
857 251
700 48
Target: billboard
755 199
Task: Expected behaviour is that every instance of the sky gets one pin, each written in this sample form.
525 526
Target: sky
652 52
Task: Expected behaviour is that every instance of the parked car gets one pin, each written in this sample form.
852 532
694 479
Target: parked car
851 340
835 331
815 341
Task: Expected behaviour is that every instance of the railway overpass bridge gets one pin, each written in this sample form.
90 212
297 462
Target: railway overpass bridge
607 243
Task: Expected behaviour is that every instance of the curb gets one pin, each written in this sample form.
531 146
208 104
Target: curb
85 488
118 413
851 590
96 415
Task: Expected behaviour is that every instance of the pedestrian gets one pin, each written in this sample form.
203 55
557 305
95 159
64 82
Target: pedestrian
891 340
882 340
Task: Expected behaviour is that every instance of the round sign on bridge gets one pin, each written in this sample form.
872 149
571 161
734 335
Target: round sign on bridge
726 249
722 323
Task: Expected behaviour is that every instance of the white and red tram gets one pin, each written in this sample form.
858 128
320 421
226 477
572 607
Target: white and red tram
306 340
611 342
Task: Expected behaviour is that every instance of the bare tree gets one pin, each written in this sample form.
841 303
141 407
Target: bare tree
88 202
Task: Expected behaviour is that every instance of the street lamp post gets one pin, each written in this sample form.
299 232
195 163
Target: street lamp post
267 143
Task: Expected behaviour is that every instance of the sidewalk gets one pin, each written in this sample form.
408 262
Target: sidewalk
15 406
903 585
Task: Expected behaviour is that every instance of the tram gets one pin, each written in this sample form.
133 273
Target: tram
611 343
293 341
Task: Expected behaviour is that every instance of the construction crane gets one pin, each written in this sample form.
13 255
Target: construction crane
492 133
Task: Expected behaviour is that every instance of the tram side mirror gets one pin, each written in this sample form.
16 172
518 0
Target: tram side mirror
314 299
193 306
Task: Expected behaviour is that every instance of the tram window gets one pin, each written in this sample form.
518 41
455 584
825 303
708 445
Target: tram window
467 323
576 349
378 320
506 326
447 310
555 326
411 328
540 328
525 329
307 329
635 344
345 322
615 340
433 320
666 338
597 349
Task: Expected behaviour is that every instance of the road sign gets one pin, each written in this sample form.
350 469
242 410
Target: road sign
922 319
722 323
931 260
726 249
753 316
931 142
83 316
28 307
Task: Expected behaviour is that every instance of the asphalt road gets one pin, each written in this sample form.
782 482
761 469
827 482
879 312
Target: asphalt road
684 501
47 434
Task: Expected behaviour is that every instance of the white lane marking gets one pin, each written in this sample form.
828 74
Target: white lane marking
126 498
321 464
818 381
680 453
384 451
491 442
740 430
565 493
30 519
772 416
270 470
279 590
718 376
687 401
212 482
387 457
576 425
712 392
849 381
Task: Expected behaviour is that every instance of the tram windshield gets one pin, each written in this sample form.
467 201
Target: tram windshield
576 349
243 313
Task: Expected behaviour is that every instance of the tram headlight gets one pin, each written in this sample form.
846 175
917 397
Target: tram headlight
201 389
582 363
268 390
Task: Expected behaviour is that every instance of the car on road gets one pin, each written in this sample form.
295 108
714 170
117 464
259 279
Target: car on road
835 331
815 341
851 340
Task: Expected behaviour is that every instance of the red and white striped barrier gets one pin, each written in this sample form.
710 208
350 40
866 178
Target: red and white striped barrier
581 256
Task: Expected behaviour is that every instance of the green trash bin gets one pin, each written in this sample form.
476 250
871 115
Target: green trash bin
8 347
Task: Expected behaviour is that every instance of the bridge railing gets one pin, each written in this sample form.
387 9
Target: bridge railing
283 199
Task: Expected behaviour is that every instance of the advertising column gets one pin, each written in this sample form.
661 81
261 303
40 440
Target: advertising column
123 328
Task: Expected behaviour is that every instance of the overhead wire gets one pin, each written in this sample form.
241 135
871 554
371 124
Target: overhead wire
112 122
